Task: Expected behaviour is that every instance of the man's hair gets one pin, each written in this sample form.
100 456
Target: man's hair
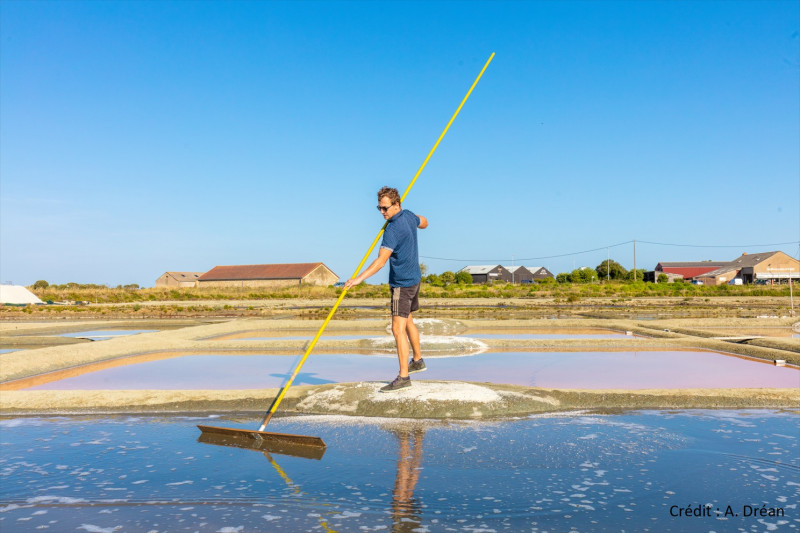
391 193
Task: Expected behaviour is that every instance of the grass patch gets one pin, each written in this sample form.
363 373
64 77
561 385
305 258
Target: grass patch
621 290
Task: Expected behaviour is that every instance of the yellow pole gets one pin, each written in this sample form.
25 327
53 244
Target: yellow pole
285 388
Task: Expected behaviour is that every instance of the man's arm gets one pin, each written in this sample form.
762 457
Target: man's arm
423 222
383 256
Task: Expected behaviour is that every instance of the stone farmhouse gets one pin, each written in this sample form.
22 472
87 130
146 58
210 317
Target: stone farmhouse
178 279
272 276
767 267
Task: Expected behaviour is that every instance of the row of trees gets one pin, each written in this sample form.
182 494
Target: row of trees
43 284
607 270
448 278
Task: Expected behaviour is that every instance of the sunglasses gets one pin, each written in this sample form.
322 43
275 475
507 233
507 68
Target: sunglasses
384 209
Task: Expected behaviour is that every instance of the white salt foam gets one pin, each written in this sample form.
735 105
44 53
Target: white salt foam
441 392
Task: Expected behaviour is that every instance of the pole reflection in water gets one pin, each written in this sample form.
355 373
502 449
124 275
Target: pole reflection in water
296 491
407 510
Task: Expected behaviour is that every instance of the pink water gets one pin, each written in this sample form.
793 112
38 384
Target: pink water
565 370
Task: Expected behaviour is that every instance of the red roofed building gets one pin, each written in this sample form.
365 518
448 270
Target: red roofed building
282 275
690 270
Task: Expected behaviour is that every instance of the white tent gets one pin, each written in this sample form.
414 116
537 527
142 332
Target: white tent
17 294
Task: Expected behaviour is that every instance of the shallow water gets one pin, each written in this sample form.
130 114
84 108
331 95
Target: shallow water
285 337
103 334
531 336
579 472
761 332
518 333
548 333
566 370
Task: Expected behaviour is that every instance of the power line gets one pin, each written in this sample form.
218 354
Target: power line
495 260
529 258
722 245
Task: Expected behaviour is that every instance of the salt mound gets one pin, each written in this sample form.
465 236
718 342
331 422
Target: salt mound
427 391
436 326
347 398
424 399
438 344
17 294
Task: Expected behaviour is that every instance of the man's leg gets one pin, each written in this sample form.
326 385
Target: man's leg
413 337
399 325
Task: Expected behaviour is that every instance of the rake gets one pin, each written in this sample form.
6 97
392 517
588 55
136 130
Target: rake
303 445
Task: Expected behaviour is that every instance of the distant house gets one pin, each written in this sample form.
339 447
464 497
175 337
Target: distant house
689 270
767 266
178 279
540 272
523 274
487 273
652 276
519 274
281 275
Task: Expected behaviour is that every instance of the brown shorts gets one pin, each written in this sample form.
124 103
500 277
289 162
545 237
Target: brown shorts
405 300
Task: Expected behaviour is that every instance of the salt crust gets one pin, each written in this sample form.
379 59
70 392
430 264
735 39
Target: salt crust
420 391
437 392
438 343
434 325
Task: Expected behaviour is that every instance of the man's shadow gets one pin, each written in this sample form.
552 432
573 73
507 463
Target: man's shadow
406 509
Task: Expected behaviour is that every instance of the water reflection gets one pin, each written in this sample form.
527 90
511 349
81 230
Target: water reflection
406 509
295 489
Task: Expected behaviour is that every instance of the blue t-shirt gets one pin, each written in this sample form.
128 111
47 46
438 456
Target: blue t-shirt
400 236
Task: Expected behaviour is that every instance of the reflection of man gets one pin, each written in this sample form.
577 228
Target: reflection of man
406 510
399 247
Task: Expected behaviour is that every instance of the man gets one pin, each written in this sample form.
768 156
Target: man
399 247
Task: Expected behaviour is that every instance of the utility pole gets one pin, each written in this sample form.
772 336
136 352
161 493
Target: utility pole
608 264
634 259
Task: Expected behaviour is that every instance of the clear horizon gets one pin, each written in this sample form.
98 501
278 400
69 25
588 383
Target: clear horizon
144 137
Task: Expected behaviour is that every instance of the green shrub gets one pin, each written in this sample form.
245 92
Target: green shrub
463 278
610 269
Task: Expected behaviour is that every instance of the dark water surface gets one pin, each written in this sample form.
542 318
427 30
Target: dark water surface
579 472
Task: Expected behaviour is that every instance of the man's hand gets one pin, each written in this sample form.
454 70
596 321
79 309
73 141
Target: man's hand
383 256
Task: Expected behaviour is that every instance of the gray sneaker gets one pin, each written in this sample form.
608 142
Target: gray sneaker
397 384
416 366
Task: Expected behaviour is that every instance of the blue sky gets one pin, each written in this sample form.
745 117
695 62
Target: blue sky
139 137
